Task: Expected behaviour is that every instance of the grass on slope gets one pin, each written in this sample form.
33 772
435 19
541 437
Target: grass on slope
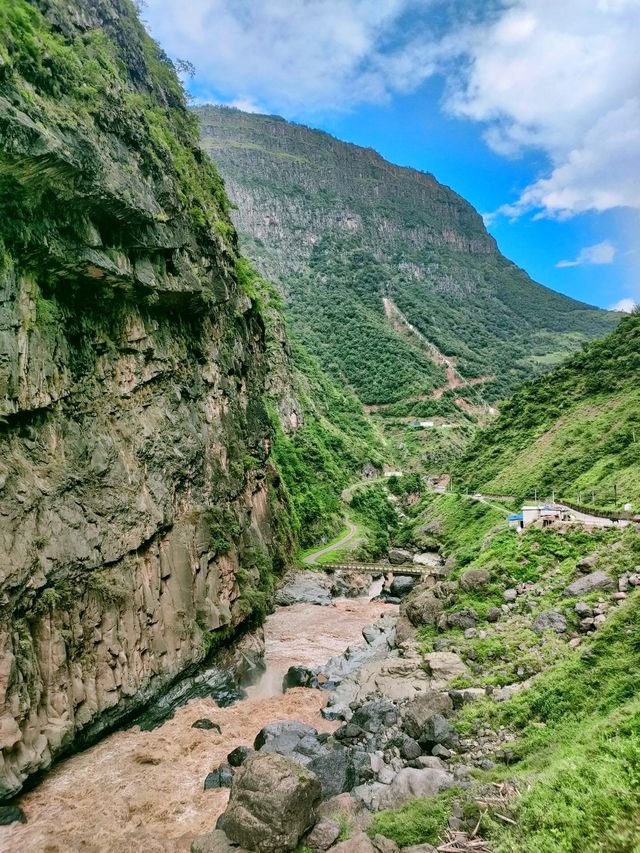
575 430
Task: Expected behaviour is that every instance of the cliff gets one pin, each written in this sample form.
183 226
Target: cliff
352 239
136 524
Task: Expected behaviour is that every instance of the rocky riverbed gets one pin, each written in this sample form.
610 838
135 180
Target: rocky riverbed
144 790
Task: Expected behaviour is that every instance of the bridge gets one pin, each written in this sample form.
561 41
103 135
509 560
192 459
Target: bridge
376 569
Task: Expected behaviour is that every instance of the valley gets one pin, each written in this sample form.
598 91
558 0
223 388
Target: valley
319 518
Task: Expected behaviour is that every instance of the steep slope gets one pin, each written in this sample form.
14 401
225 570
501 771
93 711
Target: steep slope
339 229
575 431
136 523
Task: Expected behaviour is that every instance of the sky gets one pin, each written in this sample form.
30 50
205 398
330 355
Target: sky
530 109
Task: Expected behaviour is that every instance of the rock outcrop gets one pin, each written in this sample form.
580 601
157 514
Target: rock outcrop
135 507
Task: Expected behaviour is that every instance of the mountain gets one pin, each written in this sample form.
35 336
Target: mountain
574 431
390 278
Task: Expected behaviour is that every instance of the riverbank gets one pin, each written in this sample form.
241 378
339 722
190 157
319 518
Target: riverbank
145 789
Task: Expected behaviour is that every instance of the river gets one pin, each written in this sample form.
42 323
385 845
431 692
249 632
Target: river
143 790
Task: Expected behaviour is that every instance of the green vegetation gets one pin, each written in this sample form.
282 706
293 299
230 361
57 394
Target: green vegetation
575 431
577 760
375 230
422 821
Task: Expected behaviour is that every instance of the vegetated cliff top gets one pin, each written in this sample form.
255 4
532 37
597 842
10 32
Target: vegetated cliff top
575 430
339 228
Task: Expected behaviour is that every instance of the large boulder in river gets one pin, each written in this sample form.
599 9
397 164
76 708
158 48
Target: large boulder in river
329 760
305 588
272 804
399 556
402 585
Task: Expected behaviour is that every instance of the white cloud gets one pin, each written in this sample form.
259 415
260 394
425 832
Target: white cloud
625 305
563 78
600 253
295 56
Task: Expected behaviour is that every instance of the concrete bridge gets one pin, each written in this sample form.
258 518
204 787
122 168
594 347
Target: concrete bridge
377 569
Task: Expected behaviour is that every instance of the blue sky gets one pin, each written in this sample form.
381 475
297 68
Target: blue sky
530 109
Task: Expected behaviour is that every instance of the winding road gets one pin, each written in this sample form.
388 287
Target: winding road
310 559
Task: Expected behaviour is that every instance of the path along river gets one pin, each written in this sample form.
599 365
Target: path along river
139 790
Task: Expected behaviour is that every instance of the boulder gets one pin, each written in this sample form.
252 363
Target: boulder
375 715
443 668
325 833
11 814
351 810
422 708
410 749
360 843
590 583
550 620
493 614
438 731
466 695
510 595
402 585
221 777
422 607
587 564
464 619
329 760
411 783
419 848
272 804
474 579
306 588
207 725
399 556
428 558
239 755
213 842
297 676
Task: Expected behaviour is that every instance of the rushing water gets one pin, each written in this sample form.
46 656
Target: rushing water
143 790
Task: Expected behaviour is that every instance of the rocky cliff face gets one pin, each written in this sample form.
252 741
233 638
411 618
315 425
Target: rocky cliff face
340 230
135 506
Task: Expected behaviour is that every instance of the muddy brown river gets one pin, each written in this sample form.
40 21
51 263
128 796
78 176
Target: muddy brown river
138 790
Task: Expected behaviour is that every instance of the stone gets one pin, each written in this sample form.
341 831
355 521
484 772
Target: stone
11 814
351 810
466 695
549 620
272 804
419 848
206 725
583 609
586 565
239 755
422 607
590 583
474 579
221 777
382 844
375 715
510 595
213 842
493 614
297 676
437 730
443 668
465 618
399 556
440 751
329 760
420 710
305 588
402 585
410 749
325 833
412 783
360 843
